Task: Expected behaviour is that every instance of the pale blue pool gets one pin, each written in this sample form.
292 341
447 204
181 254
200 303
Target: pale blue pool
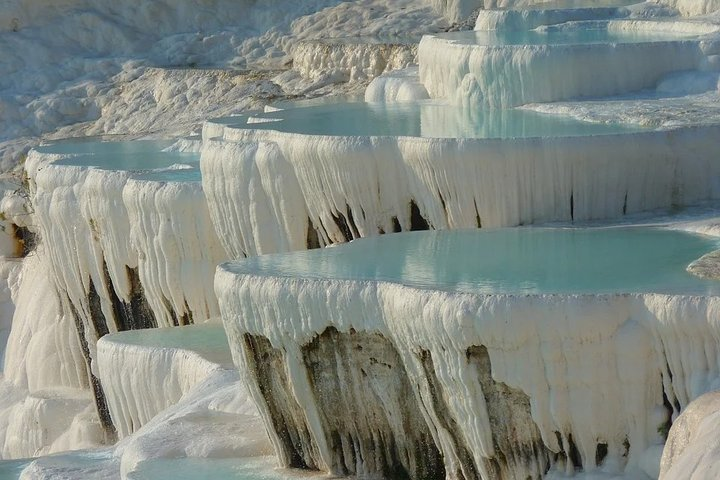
80 145
78 464
509 261
11 469
133 155
191 337
432 119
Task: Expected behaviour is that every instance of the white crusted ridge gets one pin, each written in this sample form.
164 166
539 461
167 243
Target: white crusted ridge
375 181
399 86
528 19
507 76
358 59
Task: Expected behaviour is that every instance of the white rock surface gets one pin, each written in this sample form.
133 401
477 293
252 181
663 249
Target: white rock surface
316 179
399 86
353 59
692 450
508 76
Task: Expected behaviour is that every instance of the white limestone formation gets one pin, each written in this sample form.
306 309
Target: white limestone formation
357 59
598 375
269 191
502 76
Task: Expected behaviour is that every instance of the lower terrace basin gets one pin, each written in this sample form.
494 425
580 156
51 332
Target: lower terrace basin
508 68
135 218
476 354
143 372
328 173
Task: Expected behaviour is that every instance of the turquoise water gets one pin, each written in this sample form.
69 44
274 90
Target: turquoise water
191 174
135 155
193 337
78 146
262 468
11 469
509 261
76 464
585 34
208 340
425 119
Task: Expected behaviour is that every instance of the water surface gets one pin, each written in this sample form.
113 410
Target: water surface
509 261
431 119
133 155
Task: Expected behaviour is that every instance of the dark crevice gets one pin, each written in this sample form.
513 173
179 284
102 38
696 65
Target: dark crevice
468 469
351 222
396 225
664 428
601 452
417 221
96 314
131 315
267 364
675 401
140 311
24 240
98 393
572 206
343 226
187 317
171 311
574 453
442 202
312 236
625 204
478 221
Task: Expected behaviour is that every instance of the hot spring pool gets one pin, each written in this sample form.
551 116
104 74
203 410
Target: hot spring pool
429 119
509 261
134 155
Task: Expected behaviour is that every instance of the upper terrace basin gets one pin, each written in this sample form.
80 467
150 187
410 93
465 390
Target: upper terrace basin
574 59
332 172
532 16
496 354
